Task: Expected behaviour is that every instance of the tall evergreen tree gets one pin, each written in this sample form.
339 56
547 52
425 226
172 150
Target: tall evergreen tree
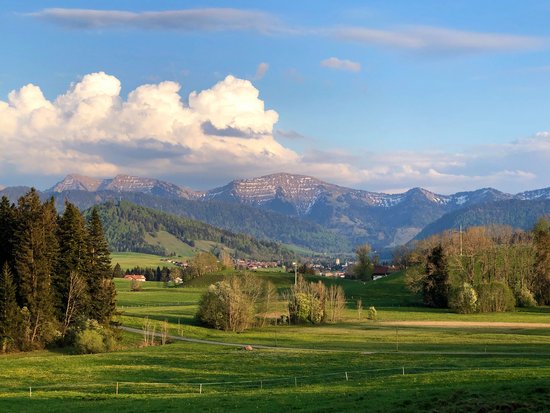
9 310
7 226
435 286
36 252
100 276
72 268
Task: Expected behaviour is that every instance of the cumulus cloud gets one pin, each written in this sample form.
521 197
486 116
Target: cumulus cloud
222 133
341 64
428 39
92 129
188 20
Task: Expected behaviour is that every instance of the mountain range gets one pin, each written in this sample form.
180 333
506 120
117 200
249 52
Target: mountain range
308 212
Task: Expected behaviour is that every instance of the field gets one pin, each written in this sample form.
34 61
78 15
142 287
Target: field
356 365
129 260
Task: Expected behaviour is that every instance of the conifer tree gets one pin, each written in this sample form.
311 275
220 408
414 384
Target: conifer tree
9 310
117 271
72 268
36 252
100 275
7 224
435 286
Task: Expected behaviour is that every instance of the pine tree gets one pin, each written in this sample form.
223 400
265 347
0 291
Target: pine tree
72 268
9 311
100 276
36 252
7 226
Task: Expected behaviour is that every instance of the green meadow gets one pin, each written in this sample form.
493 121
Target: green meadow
381 365
129 260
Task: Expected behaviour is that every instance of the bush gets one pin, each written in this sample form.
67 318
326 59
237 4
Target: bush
525 298
230 304
372 313
135 285
463 299
89 342
495 296
94 338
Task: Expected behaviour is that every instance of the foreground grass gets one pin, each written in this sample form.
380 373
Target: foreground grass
168 378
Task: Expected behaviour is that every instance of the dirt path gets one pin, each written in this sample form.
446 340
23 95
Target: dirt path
462 324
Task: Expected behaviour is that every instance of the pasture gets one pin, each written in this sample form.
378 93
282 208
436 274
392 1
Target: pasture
387 364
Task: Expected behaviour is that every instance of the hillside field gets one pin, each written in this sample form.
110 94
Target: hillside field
356 365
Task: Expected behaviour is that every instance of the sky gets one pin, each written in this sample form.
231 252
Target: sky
376 95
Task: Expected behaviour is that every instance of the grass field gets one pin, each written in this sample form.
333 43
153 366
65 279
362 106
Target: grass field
388 368
132 259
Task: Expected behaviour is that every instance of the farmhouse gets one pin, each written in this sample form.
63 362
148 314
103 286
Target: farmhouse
380 271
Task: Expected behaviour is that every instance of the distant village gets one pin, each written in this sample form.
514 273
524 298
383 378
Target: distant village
336 269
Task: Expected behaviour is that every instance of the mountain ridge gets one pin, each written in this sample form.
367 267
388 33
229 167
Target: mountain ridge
354 216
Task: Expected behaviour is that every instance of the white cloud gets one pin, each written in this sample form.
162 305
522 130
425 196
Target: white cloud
341 64
427 39
222 133
412 38
261 70
188 20
91 129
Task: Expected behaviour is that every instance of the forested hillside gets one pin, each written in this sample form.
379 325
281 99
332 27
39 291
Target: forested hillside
128 227
514 212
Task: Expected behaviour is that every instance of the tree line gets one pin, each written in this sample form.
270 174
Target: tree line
482 269
56 278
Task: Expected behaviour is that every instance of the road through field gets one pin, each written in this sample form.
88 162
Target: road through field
464 324
419 323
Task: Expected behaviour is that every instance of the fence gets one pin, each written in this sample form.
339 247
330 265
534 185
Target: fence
265 383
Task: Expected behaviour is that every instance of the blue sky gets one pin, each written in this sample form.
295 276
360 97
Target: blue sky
376 95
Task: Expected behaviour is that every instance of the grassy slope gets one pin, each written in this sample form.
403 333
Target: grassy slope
134 259
511 369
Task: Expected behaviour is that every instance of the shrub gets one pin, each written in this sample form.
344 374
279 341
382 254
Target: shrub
230 304
93 338
90 342
135 285
463 299
495 296
525 298
372 313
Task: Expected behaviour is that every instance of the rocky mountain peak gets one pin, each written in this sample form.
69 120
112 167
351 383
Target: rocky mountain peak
296 191
75 182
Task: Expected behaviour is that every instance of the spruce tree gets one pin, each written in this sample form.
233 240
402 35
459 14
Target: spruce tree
9 311
7 224
117 271
435 286
100 275
36 252
72 268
